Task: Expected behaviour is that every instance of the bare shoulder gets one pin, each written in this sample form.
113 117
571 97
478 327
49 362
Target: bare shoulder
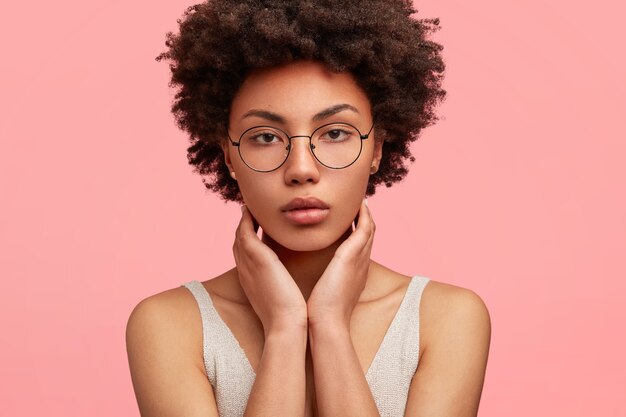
164 347
172 314
455 330
446 307
175 304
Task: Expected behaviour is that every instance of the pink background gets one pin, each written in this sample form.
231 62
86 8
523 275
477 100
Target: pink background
517 193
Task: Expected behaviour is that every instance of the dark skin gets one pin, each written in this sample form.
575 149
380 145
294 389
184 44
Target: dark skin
401 78
278 270
309 307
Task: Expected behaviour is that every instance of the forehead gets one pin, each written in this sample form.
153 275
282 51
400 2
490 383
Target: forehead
298 90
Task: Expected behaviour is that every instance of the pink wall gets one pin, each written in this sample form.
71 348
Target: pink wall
517 194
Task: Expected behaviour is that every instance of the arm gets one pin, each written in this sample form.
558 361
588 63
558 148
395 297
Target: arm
279 387
450 374
280 383
167 367
340 385
167 380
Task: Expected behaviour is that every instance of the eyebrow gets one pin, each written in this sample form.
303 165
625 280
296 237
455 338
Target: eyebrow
330 111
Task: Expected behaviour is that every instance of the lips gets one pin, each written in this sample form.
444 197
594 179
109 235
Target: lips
304 203
306 211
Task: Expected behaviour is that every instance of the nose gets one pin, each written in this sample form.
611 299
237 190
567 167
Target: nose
301 166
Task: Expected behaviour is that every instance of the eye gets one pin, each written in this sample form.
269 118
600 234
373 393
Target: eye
262 137
336 135
265 138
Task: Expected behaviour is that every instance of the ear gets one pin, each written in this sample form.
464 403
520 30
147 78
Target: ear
226 147
378 151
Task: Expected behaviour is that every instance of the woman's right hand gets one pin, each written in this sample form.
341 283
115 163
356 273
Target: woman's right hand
271 290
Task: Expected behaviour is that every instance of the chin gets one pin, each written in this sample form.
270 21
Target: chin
303 239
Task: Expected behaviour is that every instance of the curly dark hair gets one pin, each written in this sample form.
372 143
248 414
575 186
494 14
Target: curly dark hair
377 41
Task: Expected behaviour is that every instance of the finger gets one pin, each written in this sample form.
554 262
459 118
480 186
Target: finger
365 219
359 213
370 218
368 227
362 231
255 224
247 222
372 230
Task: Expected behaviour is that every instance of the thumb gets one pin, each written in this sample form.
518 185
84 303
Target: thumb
247 215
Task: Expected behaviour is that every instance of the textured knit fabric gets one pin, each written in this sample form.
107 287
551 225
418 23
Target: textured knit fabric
389 376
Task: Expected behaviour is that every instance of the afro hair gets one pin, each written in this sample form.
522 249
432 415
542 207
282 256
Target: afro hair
378 41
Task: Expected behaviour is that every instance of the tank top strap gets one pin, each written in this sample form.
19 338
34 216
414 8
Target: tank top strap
218 339
410 313
392 371
389 376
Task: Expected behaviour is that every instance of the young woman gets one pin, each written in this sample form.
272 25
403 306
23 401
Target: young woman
297 110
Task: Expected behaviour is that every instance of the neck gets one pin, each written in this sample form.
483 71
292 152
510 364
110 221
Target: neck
305 268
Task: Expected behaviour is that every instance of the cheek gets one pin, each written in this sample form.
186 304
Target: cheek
254 194
351 183
351 189
345 189
260 194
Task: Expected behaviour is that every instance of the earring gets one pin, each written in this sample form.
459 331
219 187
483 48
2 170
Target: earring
232 174
373 169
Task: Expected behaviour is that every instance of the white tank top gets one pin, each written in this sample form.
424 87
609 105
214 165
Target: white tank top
389 376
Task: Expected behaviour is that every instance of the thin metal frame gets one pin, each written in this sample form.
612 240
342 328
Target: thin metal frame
311 147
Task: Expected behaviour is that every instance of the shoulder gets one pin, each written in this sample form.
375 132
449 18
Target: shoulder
165 354
168 305
445 302
446 298
174 313
177 305
447 311
164 317
455 330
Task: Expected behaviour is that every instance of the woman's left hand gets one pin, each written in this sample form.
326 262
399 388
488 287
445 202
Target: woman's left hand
339 288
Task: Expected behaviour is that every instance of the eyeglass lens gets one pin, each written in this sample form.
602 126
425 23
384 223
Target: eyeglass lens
265 148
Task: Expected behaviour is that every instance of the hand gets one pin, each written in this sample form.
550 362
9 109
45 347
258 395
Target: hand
271 290
339 288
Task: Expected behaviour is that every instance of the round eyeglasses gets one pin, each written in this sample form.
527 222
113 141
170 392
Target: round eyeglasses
334 145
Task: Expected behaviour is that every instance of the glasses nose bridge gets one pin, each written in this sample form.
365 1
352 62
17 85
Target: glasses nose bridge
300 136
309 145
